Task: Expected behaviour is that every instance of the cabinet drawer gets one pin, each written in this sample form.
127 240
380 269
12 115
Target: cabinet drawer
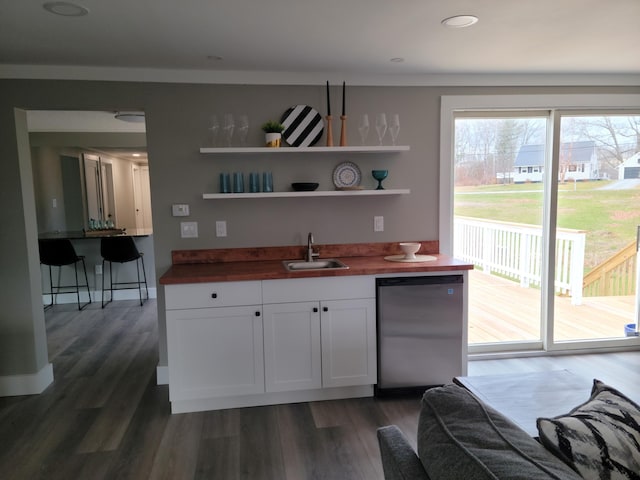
206 295
315 289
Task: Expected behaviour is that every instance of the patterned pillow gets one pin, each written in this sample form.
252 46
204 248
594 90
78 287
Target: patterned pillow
600 438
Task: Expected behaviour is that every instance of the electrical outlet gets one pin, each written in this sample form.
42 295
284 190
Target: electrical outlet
98 269
221 228
54 203
378 224
189 229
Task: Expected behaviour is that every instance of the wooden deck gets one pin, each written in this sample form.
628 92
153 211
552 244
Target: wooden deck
502 311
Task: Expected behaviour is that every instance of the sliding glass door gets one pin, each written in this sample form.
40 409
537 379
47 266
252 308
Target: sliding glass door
598 193
543 203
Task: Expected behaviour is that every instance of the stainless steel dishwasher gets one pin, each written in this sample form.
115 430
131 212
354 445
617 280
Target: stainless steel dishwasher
419 332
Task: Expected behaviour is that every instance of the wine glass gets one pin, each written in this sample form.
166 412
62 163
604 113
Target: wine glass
243 128
363 128
214 128
381 126
394 127
227 128
379 175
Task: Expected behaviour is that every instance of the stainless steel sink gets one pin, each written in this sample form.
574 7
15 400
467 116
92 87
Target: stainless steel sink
326 264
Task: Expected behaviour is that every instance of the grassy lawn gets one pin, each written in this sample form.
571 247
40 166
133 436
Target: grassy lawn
609 217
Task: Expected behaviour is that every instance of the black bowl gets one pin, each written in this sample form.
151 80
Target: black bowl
304 186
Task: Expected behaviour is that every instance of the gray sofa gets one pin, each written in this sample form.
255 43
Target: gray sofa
461 438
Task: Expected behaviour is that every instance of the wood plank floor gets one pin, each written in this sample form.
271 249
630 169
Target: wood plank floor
502 311
105 418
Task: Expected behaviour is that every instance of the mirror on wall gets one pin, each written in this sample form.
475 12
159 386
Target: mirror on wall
89 170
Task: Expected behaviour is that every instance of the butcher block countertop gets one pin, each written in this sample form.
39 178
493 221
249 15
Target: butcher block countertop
265 263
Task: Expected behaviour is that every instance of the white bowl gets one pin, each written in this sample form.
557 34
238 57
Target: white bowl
409 249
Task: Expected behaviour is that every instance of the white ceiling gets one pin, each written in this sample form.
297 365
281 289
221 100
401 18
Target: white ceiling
340 37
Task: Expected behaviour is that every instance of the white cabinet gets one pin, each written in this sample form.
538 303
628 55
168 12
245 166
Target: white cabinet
215 352
233 344
218 351
292 346
348 342
328 340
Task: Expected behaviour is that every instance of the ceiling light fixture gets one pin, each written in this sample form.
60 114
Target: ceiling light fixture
460 21
134 117
66 9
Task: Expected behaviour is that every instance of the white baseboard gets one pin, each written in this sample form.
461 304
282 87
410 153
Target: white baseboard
29 384
96 296
162 375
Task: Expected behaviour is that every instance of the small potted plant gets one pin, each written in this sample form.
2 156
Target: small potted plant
273 133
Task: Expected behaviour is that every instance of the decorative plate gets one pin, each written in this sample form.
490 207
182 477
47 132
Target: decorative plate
346 174
302 126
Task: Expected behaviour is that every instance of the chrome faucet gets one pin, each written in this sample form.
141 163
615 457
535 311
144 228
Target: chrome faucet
310 253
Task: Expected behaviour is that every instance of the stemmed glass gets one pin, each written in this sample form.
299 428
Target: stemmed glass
214 127
227 128
394 127
243 129
379 175
381 126
363 128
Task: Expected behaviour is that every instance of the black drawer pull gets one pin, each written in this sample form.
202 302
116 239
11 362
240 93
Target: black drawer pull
315 309
325 309
257 314
214 295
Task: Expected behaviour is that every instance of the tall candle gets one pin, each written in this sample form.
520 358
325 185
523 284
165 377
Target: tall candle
328 100
342 98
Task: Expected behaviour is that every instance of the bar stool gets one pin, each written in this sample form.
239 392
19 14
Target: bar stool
122 250
58 253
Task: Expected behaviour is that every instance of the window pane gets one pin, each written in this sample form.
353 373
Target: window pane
598 196
498 207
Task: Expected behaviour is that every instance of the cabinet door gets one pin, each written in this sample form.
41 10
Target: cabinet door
292 346
348 330
215 352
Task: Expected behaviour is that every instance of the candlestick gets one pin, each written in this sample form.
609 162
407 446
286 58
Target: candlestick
329 132
328 101
343 112
343 131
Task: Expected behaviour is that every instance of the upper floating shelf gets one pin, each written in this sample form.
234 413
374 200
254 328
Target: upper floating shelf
288 150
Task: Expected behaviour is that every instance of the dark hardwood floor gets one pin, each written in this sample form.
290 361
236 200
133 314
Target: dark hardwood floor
104 417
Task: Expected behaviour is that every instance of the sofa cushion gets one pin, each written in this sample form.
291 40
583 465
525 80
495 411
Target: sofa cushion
600 438
460 437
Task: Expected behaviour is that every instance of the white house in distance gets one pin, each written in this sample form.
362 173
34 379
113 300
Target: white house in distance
578 161
630 168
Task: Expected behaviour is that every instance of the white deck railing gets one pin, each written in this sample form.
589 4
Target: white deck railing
514 250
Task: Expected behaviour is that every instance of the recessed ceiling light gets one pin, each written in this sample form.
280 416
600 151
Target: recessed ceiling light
397 60
460 21
136 154
66 9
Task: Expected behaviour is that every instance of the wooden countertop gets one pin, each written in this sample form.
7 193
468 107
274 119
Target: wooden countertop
226 265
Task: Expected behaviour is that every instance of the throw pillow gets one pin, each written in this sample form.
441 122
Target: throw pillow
600 439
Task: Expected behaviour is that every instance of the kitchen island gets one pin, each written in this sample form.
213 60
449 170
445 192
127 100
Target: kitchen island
242 330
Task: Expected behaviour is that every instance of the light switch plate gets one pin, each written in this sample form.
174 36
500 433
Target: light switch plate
378 224
189 229
180 210
221 228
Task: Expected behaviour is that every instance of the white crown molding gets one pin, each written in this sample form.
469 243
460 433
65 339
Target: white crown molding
59 72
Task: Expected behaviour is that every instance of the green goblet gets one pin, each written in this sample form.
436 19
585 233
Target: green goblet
379 175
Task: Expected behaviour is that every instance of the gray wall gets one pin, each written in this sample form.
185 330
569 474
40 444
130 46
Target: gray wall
176 120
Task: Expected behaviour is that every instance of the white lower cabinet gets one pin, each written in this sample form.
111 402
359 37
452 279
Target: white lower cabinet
331 343
348 342
292 358
284 346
